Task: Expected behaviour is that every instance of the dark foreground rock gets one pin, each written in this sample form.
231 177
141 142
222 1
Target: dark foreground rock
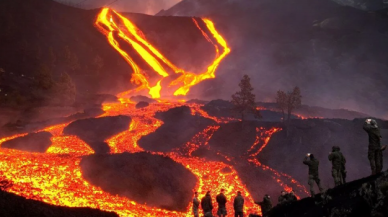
12 205
33 142
178 128
365 197
94 131
152 179
142 104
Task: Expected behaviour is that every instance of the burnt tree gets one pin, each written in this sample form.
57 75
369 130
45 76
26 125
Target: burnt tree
244 100
288 101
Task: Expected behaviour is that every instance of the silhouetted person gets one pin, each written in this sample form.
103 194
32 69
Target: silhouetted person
282 198
266 205
221 200
206 204
196 205
313 165
338 165
238 205
291 196
375 150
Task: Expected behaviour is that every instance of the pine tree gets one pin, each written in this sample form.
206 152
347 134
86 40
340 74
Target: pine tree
244 100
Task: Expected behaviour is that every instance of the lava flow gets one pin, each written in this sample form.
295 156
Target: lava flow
113 24
55 177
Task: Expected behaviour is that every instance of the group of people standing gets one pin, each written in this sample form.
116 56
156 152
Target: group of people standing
338 160
375 156
207 205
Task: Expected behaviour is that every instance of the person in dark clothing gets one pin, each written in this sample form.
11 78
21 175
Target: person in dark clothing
282 198
206 204
221 200
266 205
290 197
313 165
338 165
375 150
196 205
238 205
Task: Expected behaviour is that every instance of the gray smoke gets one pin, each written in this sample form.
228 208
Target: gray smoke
136 6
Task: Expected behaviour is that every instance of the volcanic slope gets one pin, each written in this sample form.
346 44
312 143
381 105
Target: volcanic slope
335 54
42 40
178 128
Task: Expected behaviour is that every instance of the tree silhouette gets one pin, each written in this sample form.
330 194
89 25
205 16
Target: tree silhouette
244 100
294 101
288 101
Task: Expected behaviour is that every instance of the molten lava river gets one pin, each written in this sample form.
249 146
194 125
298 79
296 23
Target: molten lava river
55 177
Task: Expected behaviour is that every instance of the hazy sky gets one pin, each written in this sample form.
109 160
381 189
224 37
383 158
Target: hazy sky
138 6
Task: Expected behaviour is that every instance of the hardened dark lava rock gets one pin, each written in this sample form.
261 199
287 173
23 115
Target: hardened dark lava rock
142 104
178 128
33 142
94 131
154 180
12 205
367 197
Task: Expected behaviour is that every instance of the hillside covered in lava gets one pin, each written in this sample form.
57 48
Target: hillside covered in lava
54 56
334 53
95 110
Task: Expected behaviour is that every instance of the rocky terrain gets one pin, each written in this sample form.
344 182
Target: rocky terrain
152 179
33 142
365 197
12 205
178 128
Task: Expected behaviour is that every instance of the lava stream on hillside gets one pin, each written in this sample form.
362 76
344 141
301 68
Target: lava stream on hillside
117 27
55 177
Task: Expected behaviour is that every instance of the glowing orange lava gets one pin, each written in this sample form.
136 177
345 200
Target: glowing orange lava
112 24
55 177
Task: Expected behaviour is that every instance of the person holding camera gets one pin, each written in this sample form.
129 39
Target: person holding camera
338 161
313 164
375 150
